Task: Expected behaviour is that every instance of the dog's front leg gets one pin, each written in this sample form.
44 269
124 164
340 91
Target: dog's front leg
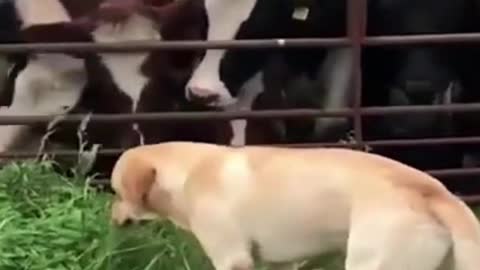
221 238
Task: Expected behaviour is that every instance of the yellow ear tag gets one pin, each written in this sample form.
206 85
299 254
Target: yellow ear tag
301 13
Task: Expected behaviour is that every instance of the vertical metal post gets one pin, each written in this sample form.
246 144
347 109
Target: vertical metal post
356 30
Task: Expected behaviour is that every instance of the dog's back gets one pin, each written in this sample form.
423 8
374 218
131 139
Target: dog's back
294 203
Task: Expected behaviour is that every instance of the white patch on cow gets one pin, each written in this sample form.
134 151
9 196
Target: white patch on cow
137 129
337 70
10 69
249 92
33 12
447 96
225 18
50 84
125 68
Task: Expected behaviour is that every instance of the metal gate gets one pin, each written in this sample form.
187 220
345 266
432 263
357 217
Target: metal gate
356 39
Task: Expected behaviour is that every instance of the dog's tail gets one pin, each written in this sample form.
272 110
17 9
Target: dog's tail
464 229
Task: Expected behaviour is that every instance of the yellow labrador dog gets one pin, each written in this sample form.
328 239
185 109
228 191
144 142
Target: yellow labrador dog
295 203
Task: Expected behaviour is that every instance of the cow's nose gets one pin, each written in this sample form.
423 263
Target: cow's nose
201 95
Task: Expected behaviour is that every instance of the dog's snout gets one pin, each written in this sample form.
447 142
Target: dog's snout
127 222
130 222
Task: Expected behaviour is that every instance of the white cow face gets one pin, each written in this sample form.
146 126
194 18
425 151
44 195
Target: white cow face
225 18
48 85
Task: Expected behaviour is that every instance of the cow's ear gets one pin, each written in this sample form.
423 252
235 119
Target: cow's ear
178 19
58 33
120 10
166 12
63 32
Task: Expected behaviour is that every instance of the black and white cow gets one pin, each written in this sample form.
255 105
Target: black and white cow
419 75
9 33
10 24
409 75
64 83
295 78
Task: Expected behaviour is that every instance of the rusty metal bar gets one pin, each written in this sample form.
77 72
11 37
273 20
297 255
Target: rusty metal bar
131 46
472 200
356 39
216 115
136 46
174 116
62 153
424 141
435 173
384 110
422 39
391 142
469 199
356 24
455 172
372 143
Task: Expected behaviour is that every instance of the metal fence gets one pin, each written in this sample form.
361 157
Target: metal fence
356 39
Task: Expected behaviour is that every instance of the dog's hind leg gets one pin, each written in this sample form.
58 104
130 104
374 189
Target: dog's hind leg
395 239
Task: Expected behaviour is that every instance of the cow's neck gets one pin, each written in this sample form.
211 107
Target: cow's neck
126 68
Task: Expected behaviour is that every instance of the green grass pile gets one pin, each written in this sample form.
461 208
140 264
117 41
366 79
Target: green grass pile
51 222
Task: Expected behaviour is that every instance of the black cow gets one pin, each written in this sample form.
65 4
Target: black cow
424 74
296 78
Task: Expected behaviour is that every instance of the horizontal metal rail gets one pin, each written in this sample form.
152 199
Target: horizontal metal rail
355 40
434 173
136 46
469 199
372 143
242 114
473 200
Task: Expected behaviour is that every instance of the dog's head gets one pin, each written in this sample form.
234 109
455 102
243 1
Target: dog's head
149 184
137 195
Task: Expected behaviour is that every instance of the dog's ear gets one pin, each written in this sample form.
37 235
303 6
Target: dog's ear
137 180
133 180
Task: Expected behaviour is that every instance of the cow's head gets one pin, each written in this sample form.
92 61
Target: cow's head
166 71
417 74
38 83
422 76
47 84
220 74
218 78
